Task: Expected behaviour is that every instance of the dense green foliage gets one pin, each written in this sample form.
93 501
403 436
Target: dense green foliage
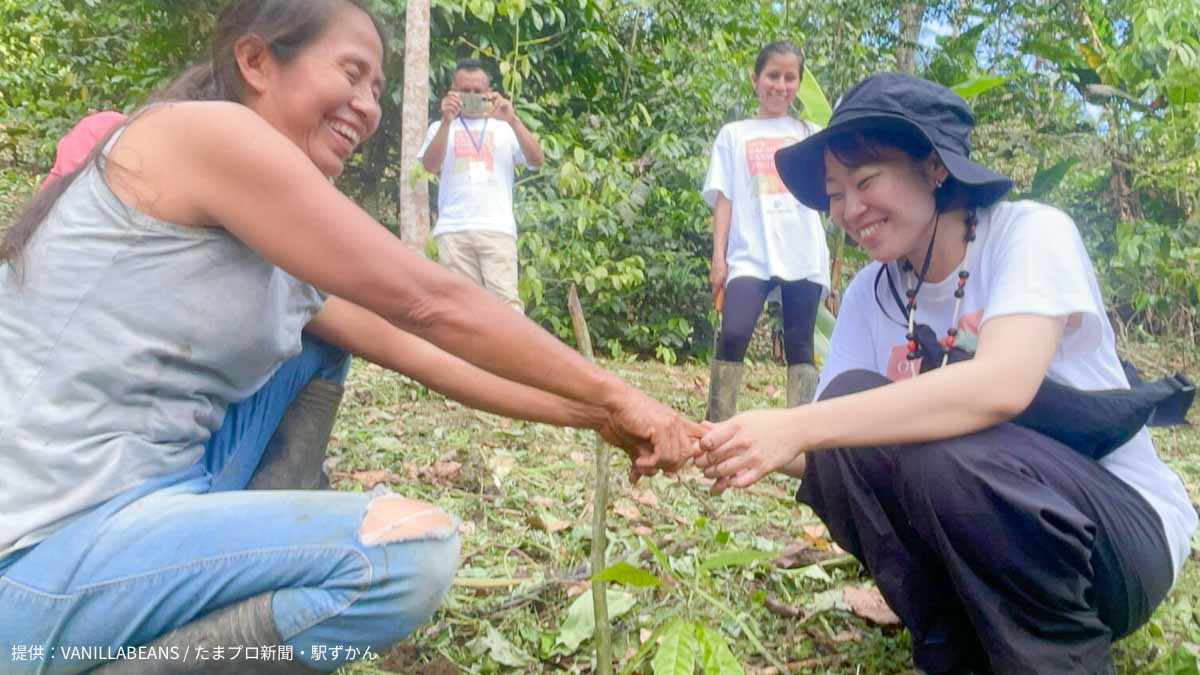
1091 105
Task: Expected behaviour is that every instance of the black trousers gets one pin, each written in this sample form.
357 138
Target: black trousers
744 297
1001 551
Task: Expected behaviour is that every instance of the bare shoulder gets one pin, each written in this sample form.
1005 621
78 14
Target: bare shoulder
170 151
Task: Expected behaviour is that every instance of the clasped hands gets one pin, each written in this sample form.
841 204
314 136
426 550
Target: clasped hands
735 453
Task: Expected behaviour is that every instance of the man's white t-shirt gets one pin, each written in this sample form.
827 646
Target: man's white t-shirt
771 234
476 182
1028 258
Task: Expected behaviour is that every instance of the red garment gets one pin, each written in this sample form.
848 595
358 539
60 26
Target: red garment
74 147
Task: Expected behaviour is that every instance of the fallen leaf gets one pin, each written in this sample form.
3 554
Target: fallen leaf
370 479
505 422
578 588
815 531
627 510
644 634
580 458
642 531
466 528
646 497
791 556
547 522
870 605
543 501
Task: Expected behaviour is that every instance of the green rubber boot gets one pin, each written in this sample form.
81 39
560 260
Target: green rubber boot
801 384
723 385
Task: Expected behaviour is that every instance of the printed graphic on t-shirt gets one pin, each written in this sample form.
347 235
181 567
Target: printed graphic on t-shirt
760 159
900 367
476 161
772 195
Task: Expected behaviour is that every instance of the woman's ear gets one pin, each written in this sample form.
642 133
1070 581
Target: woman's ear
935 169
255 63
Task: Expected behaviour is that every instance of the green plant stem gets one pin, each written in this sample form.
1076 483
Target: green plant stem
604 658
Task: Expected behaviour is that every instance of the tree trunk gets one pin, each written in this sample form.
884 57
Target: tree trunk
414 196
911 16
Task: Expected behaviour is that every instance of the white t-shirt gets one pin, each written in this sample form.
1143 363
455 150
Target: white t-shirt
771 234
476 184
1028 258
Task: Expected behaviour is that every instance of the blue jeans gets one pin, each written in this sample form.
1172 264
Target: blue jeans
174 549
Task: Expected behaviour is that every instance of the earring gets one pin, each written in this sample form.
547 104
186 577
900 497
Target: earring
937 184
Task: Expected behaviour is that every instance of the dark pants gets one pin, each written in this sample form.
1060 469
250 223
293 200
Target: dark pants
744 297
1002 550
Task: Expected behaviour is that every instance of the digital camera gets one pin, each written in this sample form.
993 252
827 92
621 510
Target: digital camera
474 105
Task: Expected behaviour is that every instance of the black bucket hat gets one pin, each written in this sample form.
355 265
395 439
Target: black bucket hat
894 100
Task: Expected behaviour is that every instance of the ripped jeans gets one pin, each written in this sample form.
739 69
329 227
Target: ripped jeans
350 572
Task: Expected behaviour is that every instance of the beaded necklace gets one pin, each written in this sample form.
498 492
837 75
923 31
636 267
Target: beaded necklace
909 309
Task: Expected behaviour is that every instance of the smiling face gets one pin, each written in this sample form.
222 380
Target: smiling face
326 100
886 204
777 83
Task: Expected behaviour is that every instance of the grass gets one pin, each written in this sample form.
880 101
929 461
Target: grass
524 490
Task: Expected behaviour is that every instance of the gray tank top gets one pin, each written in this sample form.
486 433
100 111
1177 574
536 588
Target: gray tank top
121 351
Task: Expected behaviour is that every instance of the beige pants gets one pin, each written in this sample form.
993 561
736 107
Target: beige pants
487 258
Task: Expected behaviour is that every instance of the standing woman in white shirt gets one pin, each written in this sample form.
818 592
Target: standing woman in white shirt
1004 546
762 236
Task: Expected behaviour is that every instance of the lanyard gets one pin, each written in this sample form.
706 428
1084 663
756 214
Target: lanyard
482 134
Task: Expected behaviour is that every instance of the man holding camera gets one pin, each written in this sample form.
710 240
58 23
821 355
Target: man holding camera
475 148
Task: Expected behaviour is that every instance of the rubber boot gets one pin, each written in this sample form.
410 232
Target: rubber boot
246 624
801 384
723 385
294 457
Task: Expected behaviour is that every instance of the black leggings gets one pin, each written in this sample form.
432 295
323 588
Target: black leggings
744 297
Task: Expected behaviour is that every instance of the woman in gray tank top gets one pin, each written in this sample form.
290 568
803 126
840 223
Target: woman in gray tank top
175 323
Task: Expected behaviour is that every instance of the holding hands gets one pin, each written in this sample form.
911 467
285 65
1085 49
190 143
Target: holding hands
653 435
740 451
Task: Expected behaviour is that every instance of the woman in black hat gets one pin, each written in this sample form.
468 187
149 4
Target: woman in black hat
1000 548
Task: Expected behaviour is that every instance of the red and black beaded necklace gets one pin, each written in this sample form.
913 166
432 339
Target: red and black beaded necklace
909 309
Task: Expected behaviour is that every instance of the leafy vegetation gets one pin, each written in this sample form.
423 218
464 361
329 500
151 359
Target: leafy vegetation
1092 105
688 572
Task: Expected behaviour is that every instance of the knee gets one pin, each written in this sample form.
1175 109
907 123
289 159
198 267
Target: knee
945 480
853 382
430 540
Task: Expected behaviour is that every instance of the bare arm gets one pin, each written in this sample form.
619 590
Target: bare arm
435 154
722 216
367 335
242 174
1013 355
503 109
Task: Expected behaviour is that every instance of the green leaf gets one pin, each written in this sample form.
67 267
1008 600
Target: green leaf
974 87
736 558
816 106
1045 180
630 575
718 659
678 650
581 622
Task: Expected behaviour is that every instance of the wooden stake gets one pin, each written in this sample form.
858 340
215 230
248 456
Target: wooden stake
604 659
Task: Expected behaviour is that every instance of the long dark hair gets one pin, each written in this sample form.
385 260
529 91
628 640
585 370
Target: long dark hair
286 27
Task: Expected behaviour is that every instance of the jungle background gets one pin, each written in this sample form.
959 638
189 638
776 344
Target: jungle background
1091 105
